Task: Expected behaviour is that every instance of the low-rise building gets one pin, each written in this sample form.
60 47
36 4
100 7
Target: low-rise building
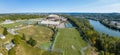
9 45
8 22
2 36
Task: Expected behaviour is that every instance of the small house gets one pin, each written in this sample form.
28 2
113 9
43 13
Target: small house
9 45
2 36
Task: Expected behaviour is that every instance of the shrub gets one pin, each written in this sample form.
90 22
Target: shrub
32 42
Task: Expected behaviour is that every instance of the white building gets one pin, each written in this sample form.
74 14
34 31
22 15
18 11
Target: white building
8 22
9 46
53 17
2 36
47 22
54 20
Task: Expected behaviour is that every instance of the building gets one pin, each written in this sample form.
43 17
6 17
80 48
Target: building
2 36
53 17
9 45
47 22
8 22
54 21
51 20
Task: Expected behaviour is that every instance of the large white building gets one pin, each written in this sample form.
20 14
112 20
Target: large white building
53 17
51 20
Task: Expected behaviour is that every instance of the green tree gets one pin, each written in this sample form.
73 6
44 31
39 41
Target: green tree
23 36
5 31
32 42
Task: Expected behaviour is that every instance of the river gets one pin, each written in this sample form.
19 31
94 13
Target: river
103 29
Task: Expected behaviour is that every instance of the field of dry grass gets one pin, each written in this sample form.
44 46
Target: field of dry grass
24 49
39 33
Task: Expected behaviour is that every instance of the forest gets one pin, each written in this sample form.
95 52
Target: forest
20 16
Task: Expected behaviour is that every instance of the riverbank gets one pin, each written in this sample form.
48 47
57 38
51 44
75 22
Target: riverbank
103 29
114 27
106 23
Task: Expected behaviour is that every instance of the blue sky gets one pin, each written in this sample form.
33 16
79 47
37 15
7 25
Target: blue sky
21 6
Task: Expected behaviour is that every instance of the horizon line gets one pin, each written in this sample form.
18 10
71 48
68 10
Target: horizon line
55 12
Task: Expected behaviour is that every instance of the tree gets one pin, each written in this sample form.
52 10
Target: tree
23 37
5 31
32 42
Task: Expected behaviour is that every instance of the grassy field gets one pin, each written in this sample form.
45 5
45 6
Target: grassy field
69 42
39 33
1 30
22 48
11 25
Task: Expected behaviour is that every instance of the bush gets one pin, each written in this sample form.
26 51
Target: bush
23 37
32 42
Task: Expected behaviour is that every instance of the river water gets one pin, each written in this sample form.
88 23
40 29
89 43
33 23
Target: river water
103 29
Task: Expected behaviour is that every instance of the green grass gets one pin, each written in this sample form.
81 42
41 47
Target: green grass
69 42
12 25
22 48
1 30
39 33
45 46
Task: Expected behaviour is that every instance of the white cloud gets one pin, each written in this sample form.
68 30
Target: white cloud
105 8
112 7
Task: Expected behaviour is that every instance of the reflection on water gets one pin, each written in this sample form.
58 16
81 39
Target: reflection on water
101 28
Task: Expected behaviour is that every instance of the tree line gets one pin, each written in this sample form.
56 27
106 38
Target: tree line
105 44
20 16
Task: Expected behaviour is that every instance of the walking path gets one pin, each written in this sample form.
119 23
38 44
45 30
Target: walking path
54 41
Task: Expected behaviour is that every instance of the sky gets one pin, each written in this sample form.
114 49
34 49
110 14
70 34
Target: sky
91 6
